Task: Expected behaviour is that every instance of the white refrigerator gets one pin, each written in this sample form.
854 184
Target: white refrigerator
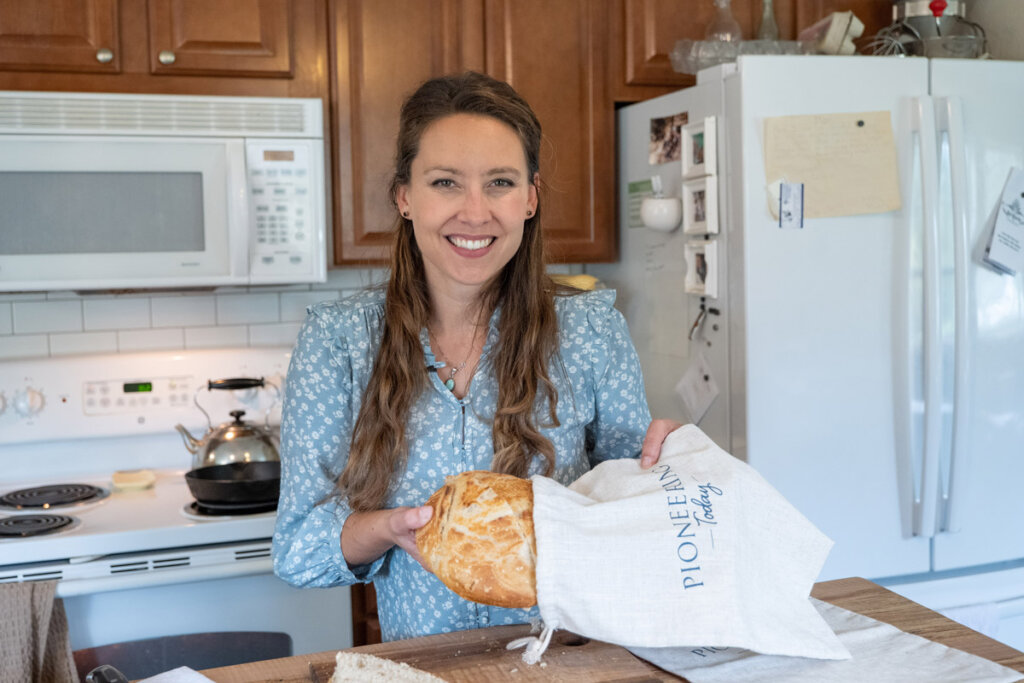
869 365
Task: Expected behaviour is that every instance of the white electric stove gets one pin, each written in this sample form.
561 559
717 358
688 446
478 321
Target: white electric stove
67 425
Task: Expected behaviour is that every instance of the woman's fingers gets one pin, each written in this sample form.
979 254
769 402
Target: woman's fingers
656 433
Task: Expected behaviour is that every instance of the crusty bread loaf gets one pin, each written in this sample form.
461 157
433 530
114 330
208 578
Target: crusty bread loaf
356 667
480 540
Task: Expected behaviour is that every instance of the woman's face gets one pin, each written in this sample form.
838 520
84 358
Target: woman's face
468 195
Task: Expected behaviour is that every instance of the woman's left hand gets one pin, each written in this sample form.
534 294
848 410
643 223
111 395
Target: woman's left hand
656 433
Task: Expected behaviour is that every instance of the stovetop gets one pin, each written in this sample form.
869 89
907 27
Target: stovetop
77 420
133 521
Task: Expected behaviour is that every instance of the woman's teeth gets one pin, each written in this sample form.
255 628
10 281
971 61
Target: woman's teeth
472 245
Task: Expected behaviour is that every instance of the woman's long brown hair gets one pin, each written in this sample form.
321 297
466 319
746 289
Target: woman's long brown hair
528 329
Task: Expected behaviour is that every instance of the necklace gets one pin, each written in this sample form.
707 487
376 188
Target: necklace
449 383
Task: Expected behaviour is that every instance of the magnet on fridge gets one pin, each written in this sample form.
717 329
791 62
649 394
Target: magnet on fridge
701 277
700 149
700 206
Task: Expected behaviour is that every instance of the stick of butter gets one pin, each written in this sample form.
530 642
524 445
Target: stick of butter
133 480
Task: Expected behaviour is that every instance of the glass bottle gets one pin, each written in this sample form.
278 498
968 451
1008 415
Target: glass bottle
724 27
768 30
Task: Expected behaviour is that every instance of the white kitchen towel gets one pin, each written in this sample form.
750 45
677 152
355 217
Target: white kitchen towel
697 549
182 674
881 654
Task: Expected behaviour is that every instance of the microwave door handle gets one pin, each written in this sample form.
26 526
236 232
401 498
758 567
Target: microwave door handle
241 237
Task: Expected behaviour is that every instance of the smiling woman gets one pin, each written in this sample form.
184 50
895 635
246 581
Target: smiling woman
466 204
471 358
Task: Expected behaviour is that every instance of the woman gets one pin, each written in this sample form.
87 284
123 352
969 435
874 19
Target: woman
471 359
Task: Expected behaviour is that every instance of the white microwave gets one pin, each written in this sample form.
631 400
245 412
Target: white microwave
115 191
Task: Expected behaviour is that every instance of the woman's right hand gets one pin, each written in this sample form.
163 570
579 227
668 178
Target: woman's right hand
404 522
368 535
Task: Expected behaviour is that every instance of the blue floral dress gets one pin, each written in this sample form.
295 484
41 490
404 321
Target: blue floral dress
601 407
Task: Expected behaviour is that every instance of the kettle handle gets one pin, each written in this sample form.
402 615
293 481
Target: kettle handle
235 383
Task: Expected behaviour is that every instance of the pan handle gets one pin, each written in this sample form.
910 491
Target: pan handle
235 383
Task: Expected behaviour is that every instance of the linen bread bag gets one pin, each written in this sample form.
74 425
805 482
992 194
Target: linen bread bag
698 550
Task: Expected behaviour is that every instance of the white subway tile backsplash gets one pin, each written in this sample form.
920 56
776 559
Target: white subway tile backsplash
119 313
183 311
23 296
216 337
83 342
47 316
237 309
150 340
339 278
57 295
61 323
280 334
23 346
293 304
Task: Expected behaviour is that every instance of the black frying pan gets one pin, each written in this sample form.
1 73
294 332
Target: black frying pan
236 483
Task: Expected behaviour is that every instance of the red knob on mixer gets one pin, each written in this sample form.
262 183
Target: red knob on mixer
937 7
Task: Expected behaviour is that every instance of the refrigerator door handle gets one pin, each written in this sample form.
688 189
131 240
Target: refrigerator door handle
926 503
932 380
950 119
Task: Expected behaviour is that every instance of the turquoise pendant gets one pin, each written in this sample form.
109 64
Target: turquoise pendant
450 384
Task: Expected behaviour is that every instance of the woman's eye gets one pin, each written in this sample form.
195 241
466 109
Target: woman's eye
504 182
443 182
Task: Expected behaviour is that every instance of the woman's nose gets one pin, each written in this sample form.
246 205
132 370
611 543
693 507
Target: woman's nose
475 209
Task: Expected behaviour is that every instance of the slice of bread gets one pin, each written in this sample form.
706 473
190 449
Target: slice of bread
355 667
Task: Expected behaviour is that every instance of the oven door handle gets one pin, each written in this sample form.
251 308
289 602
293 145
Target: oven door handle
163 577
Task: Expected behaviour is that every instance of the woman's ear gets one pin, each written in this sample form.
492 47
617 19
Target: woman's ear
531 200
402 200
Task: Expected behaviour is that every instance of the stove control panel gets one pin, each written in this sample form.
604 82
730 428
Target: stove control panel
140 393
105 397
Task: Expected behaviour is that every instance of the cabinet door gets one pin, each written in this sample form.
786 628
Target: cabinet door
59 35
382 50
221 37
554 55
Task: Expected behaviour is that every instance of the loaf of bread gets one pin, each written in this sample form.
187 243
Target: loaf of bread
480 540
356 667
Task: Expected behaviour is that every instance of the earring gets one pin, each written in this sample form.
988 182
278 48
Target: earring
529 213
405 214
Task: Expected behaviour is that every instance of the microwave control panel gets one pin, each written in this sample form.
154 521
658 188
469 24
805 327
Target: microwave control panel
285 198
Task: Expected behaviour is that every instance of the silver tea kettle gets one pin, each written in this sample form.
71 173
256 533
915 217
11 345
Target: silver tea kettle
234 441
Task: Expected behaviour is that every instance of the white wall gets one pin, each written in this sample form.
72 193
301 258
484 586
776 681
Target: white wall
1003 21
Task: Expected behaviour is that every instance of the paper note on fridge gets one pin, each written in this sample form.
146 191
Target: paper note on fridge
846 162
1005 249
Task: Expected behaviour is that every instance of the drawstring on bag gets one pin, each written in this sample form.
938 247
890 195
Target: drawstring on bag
535 646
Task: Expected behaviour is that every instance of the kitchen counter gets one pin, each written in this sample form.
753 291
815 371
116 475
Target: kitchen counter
480 655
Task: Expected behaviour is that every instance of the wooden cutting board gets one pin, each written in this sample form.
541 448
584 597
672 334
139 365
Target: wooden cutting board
482 658
477 656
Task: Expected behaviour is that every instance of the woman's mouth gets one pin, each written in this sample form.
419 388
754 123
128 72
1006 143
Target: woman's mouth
470 244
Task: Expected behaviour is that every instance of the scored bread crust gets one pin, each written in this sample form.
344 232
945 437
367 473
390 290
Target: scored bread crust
480 540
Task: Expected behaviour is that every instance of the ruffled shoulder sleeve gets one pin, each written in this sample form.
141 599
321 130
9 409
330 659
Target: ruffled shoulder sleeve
596 333
323 391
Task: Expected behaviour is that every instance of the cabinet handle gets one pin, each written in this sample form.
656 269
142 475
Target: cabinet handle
104 55
166 57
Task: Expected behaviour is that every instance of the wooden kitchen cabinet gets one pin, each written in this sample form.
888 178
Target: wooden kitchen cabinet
552 53
60 35
380 51
645 31
215 47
